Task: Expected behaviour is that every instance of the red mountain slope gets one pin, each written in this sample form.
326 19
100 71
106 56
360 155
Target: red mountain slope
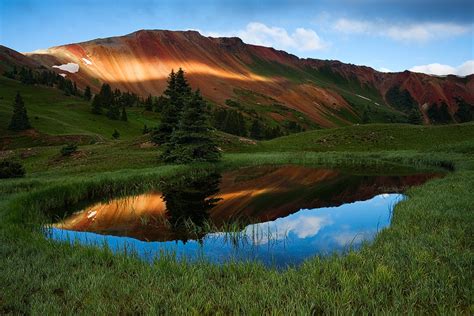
327 92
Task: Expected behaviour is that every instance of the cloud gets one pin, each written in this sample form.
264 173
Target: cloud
418 32
383 69
303 226
464 69
302 39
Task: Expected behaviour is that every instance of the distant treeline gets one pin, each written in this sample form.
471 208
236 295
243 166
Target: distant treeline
44 77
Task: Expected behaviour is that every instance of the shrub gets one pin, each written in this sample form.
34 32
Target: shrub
68 149
11 169
116 134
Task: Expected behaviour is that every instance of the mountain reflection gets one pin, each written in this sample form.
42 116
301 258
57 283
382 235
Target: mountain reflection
205 202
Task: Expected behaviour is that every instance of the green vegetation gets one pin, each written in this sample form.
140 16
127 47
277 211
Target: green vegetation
192 140
11 169
439 114
68 150
19 119
465 112
401 99
58 119
422 264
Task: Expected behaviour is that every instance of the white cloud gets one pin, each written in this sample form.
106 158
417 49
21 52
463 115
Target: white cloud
302 39
419 32
303 226
464 69
383 69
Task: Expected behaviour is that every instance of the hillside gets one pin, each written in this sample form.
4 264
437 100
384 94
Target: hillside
330 93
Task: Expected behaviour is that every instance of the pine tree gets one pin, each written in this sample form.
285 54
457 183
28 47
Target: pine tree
160 104
123 115
149 103
87 93
256 130
182 85
192 140
365 117
75 91
115 134
414 117
170 113
96 105
106 96
19 120
114 112
170 91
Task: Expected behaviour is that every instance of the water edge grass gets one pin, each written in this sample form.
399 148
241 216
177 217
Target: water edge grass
422 263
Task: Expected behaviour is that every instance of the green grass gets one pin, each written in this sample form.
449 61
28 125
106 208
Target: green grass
53 113
421 264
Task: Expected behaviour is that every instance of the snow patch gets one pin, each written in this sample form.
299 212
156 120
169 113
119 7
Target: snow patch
86 61
361 96
63 75
91 214
69 67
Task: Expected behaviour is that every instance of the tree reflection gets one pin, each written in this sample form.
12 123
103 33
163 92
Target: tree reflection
189 198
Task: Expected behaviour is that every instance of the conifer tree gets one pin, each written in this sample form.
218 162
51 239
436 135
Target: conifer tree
106 96
115 134
149 103
123 115
169 115
19 120
87 93
114 112
414 117
96 105
75 91
256 130
192 140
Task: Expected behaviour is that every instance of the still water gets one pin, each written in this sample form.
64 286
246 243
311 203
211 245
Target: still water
277 215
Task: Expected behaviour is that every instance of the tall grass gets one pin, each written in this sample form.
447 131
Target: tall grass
422 264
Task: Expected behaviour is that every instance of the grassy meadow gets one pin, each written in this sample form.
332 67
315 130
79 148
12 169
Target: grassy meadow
421 264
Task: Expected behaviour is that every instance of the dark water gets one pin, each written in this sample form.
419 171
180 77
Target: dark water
277 215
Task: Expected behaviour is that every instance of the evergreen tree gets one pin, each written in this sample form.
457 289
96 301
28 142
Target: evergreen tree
256 130
19 120
149 103
160 103
123 115
106 96
192 140
114 112
87 93
115 134
439 114
365 117
169 120
145 130
182 86
96 105
170 114
170 91
414 117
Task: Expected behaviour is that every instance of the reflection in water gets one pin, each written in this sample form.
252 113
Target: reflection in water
284 214
190 198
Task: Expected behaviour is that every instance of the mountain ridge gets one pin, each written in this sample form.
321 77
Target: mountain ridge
329 92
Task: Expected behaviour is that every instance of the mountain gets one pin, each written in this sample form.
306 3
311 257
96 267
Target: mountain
262 81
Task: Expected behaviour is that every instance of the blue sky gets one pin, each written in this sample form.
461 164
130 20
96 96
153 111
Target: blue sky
431 36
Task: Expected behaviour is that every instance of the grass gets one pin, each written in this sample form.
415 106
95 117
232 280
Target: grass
422 264
54 114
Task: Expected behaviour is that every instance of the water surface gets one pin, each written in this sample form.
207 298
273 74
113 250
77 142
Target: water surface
277 215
